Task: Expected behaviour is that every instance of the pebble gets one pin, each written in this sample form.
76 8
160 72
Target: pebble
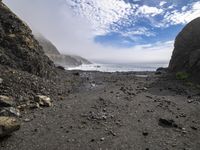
167 123
190 101
1 80
194 128
145 133
27 120
43 100
102 139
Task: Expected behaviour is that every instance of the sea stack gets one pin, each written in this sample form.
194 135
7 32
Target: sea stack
186 54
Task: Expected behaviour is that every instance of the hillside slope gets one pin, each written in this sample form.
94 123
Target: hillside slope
59 59
18 48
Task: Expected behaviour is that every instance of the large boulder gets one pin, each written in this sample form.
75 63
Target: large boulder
186 54
18 48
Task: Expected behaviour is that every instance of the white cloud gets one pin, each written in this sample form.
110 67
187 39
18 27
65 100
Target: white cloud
102 13
147 10
137 31
187 14
162 3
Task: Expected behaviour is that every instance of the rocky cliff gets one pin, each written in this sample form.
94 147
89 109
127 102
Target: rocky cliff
186 54
47 45
59 59
18 48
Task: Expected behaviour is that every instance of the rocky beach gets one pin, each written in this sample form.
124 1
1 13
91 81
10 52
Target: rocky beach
114 111
45 107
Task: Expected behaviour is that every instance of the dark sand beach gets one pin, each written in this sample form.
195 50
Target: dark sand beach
137 111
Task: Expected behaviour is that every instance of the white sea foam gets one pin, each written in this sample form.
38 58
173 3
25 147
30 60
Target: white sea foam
119 67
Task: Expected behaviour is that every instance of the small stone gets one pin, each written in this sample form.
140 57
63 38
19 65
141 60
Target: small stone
190 101
150 97
92 140
6 101
145 133
10 111
112 133
27 120
8 125
102 139
167 123
193 128
43 100
1 80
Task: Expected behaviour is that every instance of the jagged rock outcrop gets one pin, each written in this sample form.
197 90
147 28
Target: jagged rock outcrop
59 59
18 48
186 54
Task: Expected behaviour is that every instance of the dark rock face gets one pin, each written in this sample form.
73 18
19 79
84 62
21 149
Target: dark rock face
186 54
18 48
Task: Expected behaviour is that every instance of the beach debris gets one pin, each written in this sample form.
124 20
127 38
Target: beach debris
43 101
8 125
6 101
168 123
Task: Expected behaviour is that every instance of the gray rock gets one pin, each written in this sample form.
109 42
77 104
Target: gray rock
9 111
28 54
186 54
1 80
8 125
6 101
43 100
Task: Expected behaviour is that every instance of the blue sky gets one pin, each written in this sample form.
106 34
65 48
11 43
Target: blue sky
127 23
109 30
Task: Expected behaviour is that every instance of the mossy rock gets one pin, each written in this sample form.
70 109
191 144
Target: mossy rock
182 75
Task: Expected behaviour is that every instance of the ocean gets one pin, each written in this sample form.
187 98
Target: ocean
120 67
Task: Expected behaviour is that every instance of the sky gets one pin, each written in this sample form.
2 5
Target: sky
109 31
